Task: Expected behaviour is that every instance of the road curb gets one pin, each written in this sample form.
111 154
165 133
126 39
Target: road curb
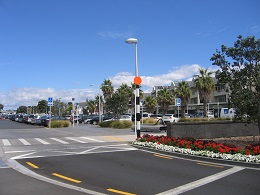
201 158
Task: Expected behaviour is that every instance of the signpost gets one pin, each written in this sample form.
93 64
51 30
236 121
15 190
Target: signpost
73 99
178 103
50 103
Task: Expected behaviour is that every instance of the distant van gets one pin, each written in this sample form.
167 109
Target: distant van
227 113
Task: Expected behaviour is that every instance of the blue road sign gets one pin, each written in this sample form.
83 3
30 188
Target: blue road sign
50 101
178 101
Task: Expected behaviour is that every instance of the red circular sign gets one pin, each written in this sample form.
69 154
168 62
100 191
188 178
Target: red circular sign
137 80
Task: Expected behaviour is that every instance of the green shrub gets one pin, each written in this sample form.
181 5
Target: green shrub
60 124
202 119
116 124
106 124
149 121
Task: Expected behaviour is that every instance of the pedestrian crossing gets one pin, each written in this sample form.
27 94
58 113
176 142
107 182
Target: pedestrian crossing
51 141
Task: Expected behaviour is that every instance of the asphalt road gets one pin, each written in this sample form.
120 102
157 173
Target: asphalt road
104 163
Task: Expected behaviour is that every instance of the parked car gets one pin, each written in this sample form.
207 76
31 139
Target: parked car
24 119
125 118
89 117
39 119
170 118
146 115
45 120
76 119
95 120
67 117
200 114
20 118
33 119
156 116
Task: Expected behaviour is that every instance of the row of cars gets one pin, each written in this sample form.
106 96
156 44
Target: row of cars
34 119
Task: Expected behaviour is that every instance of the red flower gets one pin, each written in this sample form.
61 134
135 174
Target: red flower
247 152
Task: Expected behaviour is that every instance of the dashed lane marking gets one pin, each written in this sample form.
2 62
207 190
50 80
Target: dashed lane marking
91 139
6 142
60 141
210 165
66 178
76 140
119 191
32 165
42 141
24 142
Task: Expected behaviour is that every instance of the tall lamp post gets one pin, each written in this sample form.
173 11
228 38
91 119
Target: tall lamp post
137 82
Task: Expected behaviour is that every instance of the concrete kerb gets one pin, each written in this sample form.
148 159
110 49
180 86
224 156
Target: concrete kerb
201 158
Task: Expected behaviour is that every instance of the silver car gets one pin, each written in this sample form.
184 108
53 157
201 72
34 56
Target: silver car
170 118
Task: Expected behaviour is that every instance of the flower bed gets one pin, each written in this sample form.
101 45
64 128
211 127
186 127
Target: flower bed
208 148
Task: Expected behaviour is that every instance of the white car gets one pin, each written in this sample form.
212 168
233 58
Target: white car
170 118
125 118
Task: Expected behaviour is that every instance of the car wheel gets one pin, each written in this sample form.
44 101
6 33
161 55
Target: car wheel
94 122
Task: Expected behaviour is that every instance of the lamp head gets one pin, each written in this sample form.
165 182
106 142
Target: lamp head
131 40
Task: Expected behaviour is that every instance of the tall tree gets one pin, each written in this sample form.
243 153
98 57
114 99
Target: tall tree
124 89
22 109
42 106
165 98
240 69
129 93
205 85
117 103
91 106
107 88
183 92
150 103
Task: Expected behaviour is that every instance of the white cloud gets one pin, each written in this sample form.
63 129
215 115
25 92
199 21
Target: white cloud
31 96
182 73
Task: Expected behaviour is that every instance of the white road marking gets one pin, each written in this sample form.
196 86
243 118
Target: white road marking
6 142
58 140
23 156
42 141
201 182
76 140
91 139
24 142
10 152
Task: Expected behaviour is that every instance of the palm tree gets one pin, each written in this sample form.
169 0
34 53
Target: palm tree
183 92
165 98
125 89
205 85
107 88
150 103
91 106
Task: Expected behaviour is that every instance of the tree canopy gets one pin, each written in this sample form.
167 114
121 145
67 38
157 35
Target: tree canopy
240 70
165 98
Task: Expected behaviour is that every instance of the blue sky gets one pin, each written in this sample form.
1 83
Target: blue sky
58 48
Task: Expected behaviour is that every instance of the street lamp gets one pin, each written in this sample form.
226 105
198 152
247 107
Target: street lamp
99 102
137 81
